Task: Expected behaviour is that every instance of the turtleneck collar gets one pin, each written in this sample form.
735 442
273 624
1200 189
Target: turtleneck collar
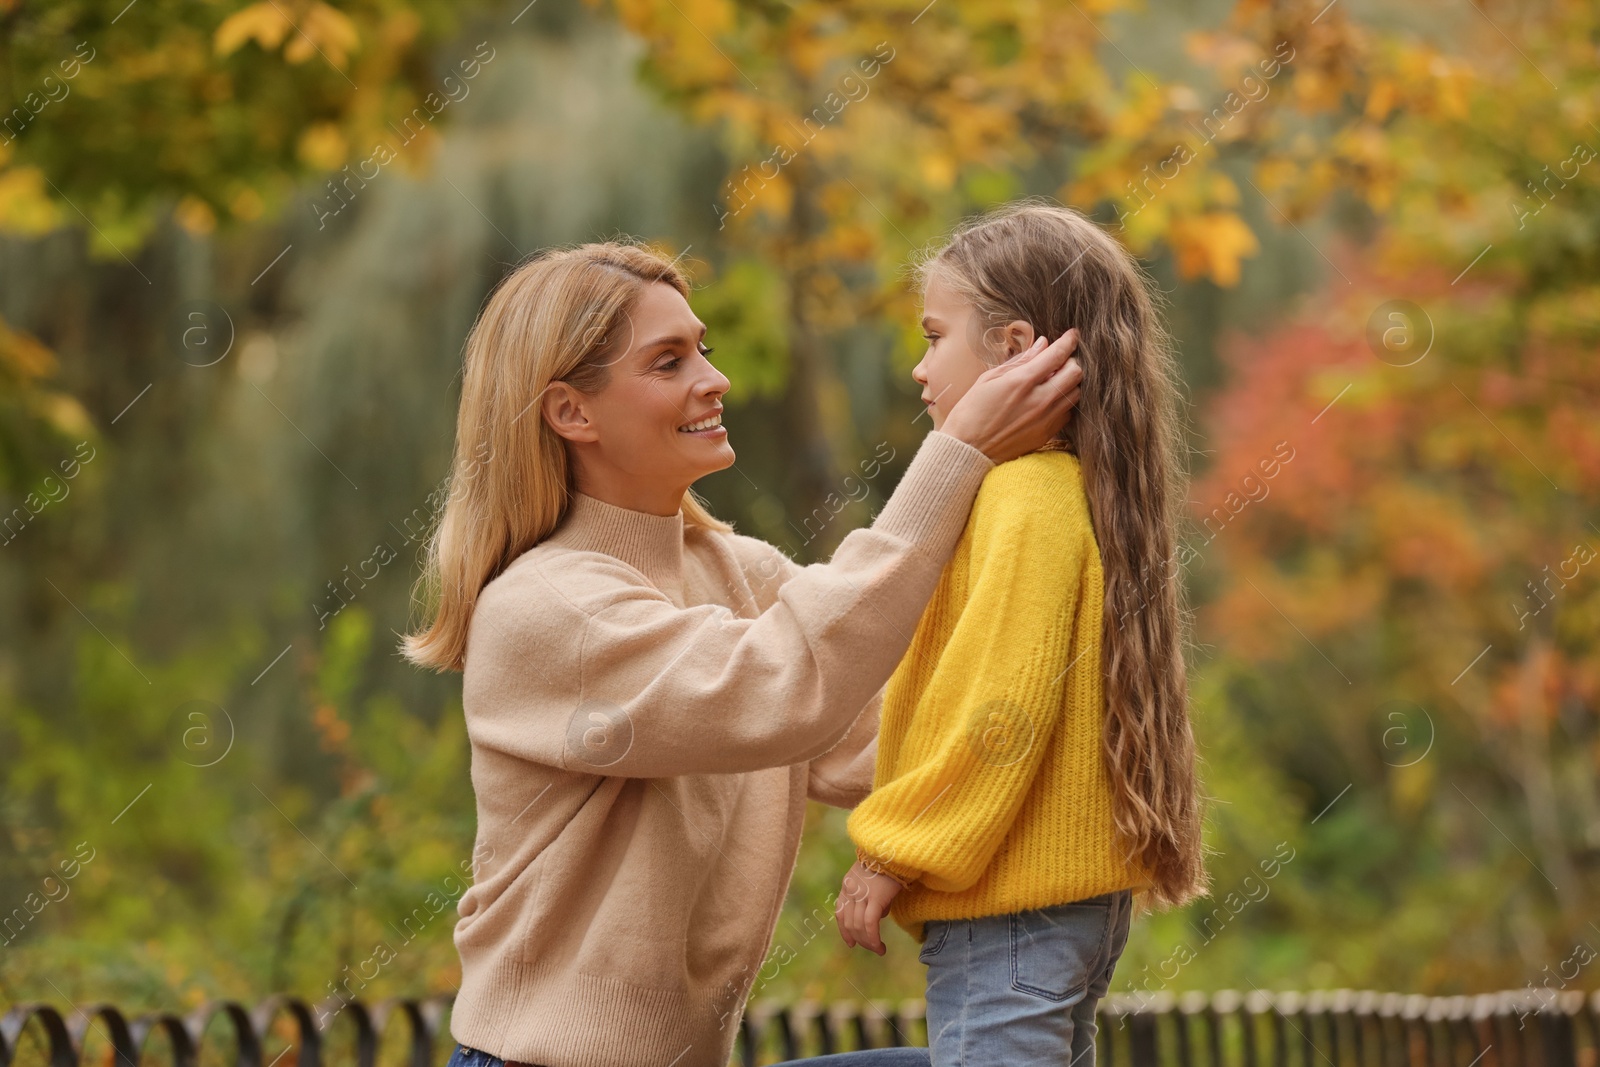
651 543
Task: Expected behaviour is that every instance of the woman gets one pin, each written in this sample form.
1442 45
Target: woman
651 698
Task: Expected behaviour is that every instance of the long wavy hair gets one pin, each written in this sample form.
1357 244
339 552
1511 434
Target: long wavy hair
1055 269
561 316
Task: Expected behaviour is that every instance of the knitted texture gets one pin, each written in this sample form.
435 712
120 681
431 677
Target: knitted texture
650 706
991 793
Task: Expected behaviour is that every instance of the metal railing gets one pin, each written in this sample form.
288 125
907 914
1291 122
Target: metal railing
1337 1028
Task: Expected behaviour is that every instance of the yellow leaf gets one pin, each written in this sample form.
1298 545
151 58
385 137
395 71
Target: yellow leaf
331 30
263 23
774 197
1212 244
299 49
400 29
1380 101
1222 189
247 205
65 414
22 356
323 146
25 206
938 170
1275 173
195 215
708 17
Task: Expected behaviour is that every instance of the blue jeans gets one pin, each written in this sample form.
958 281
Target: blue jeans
878 1057
871 1057
1022 989
471 1057
1017 990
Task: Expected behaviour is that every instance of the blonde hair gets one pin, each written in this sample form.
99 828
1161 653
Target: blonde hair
1055 269
561 316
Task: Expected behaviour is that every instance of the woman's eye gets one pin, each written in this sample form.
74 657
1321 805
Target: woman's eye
706 350
671 364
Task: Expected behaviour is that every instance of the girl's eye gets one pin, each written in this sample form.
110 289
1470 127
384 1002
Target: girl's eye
930 337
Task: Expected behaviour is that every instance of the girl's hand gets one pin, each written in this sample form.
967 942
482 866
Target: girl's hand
863 902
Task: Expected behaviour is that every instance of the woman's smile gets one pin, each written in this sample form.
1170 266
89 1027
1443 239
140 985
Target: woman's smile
710 426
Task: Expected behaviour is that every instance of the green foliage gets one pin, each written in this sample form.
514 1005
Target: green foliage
128 109
746 311
265 818
204 832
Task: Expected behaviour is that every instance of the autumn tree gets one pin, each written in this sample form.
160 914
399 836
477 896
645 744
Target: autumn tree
1408 607
120 115
859 133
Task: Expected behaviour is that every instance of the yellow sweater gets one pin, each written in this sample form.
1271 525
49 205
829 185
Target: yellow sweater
990 793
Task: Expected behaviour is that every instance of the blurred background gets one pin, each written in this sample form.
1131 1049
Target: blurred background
241 245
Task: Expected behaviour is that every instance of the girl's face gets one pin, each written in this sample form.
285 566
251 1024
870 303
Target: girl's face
957 349
631 441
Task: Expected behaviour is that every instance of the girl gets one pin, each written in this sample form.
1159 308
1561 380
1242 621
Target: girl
1035 765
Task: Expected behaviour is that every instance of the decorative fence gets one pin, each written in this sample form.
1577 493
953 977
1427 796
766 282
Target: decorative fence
1337 1028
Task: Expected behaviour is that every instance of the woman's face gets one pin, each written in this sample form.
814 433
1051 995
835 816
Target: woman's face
957 353
631 441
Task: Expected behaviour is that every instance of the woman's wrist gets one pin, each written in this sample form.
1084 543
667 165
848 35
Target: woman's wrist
930 505
969 432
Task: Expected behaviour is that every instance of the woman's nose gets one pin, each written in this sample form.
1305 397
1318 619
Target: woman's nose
715 383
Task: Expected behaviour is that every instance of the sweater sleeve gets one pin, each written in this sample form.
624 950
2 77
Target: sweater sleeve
842 776
602 673
997 692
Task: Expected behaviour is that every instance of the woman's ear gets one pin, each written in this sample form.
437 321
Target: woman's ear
564 409
1018 337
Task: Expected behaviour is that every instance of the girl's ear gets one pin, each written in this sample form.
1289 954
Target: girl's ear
1018 337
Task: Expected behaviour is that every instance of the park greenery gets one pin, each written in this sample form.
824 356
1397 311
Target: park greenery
240 247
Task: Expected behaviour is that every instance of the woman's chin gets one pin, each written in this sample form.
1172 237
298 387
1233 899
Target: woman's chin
708 457
726 458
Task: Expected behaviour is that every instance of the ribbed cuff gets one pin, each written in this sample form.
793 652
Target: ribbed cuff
929 507
906 876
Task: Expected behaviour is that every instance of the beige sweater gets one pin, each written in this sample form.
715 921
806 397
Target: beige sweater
649 707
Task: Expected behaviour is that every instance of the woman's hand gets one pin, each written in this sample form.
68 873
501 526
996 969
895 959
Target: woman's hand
1016 407
863 902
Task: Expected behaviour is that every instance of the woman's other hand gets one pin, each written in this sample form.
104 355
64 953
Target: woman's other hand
1014 408
863 902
